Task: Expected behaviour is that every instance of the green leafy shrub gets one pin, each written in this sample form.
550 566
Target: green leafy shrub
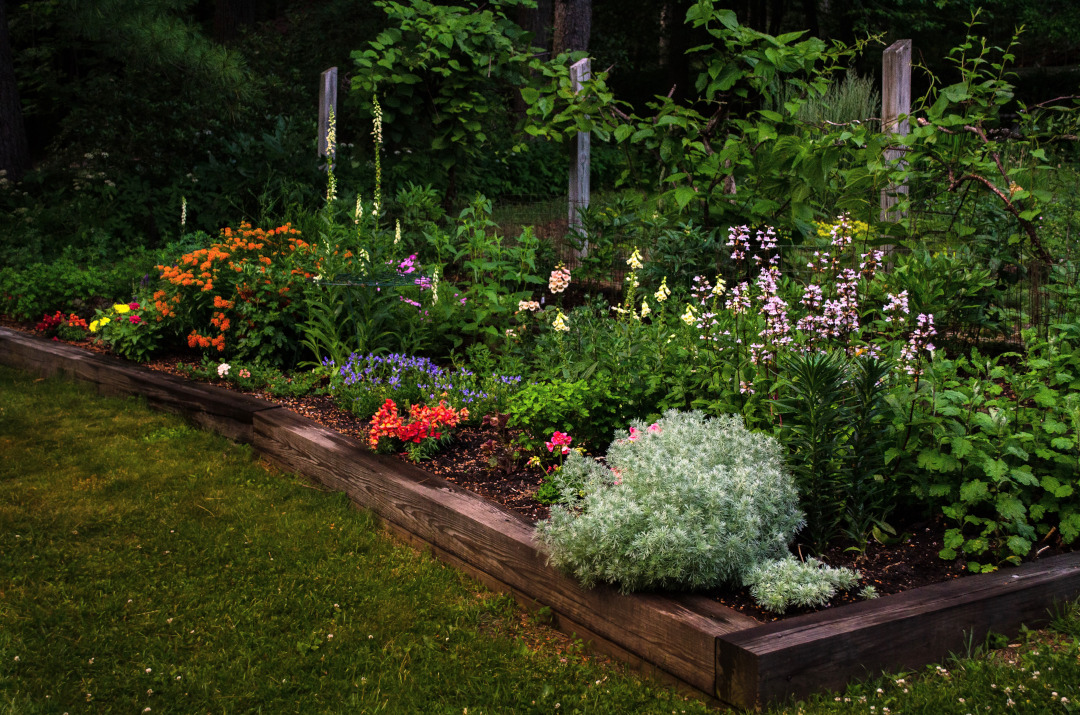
66 284
956 286
131 330
584 408
691 502
443 73
1001 464
247 288
496 273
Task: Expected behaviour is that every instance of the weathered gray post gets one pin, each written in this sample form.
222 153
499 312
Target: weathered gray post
327 102
579 163
895 102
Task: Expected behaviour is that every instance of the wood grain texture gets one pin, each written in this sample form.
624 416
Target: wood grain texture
669 632
223 411
825 650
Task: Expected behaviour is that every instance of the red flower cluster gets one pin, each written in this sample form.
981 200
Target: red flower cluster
424 422
52 322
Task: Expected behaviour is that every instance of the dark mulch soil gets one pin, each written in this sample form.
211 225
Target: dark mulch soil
911 561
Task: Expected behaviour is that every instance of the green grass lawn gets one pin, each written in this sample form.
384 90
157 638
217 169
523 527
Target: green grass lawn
146 564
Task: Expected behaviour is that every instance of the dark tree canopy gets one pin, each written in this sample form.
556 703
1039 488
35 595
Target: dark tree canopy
14 149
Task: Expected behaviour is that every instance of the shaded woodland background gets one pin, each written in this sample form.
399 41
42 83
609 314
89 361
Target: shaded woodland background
214 102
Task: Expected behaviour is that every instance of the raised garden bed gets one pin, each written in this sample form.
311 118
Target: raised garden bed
693 639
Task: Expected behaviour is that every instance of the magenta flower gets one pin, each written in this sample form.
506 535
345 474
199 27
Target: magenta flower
559 439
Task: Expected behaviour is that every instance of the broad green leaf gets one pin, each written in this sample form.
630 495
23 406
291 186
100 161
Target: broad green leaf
1023 475
529 95
974 491
684 195
1070 527
1052 426
961 447
1010 508
1063 443
996 469
1019 545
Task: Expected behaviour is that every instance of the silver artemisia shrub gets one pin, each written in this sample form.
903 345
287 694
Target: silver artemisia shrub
690 502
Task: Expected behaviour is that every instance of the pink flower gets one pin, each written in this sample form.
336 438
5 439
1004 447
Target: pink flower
134 319
559 439
635 433
133 305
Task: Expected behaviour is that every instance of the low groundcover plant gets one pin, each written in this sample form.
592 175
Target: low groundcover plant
688 502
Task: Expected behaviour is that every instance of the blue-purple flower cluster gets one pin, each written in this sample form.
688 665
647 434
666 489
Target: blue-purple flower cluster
365 381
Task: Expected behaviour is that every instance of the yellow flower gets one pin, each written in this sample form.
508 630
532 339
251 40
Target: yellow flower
121 308
94 326
635 260
663 292
688 317
645 308
560 323
718 290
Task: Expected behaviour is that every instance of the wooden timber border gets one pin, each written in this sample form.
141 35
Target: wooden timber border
693 639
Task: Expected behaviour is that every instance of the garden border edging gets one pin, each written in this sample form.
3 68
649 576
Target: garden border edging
714 649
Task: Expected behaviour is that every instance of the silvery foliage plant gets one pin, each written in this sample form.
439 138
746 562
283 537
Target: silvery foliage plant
690 502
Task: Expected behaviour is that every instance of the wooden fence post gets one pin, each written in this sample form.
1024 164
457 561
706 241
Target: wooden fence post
579 164
895 102
327 102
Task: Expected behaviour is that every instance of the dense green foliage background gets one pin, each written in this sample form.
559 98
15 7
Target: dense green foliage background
130 106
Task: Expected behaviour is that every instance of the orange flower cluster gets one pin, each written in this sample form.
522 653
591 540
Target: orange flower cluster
161 303
424 422
195 340
213 271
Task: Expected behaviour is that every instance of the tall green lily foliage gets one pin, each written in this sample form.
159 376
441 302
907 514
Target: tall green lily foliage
836 424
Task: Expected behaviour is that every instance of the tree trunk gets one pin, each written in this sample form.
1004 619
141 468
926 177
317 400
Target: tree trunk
810 14
14 149
776 16
675 41
539 21
573 25
231 16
